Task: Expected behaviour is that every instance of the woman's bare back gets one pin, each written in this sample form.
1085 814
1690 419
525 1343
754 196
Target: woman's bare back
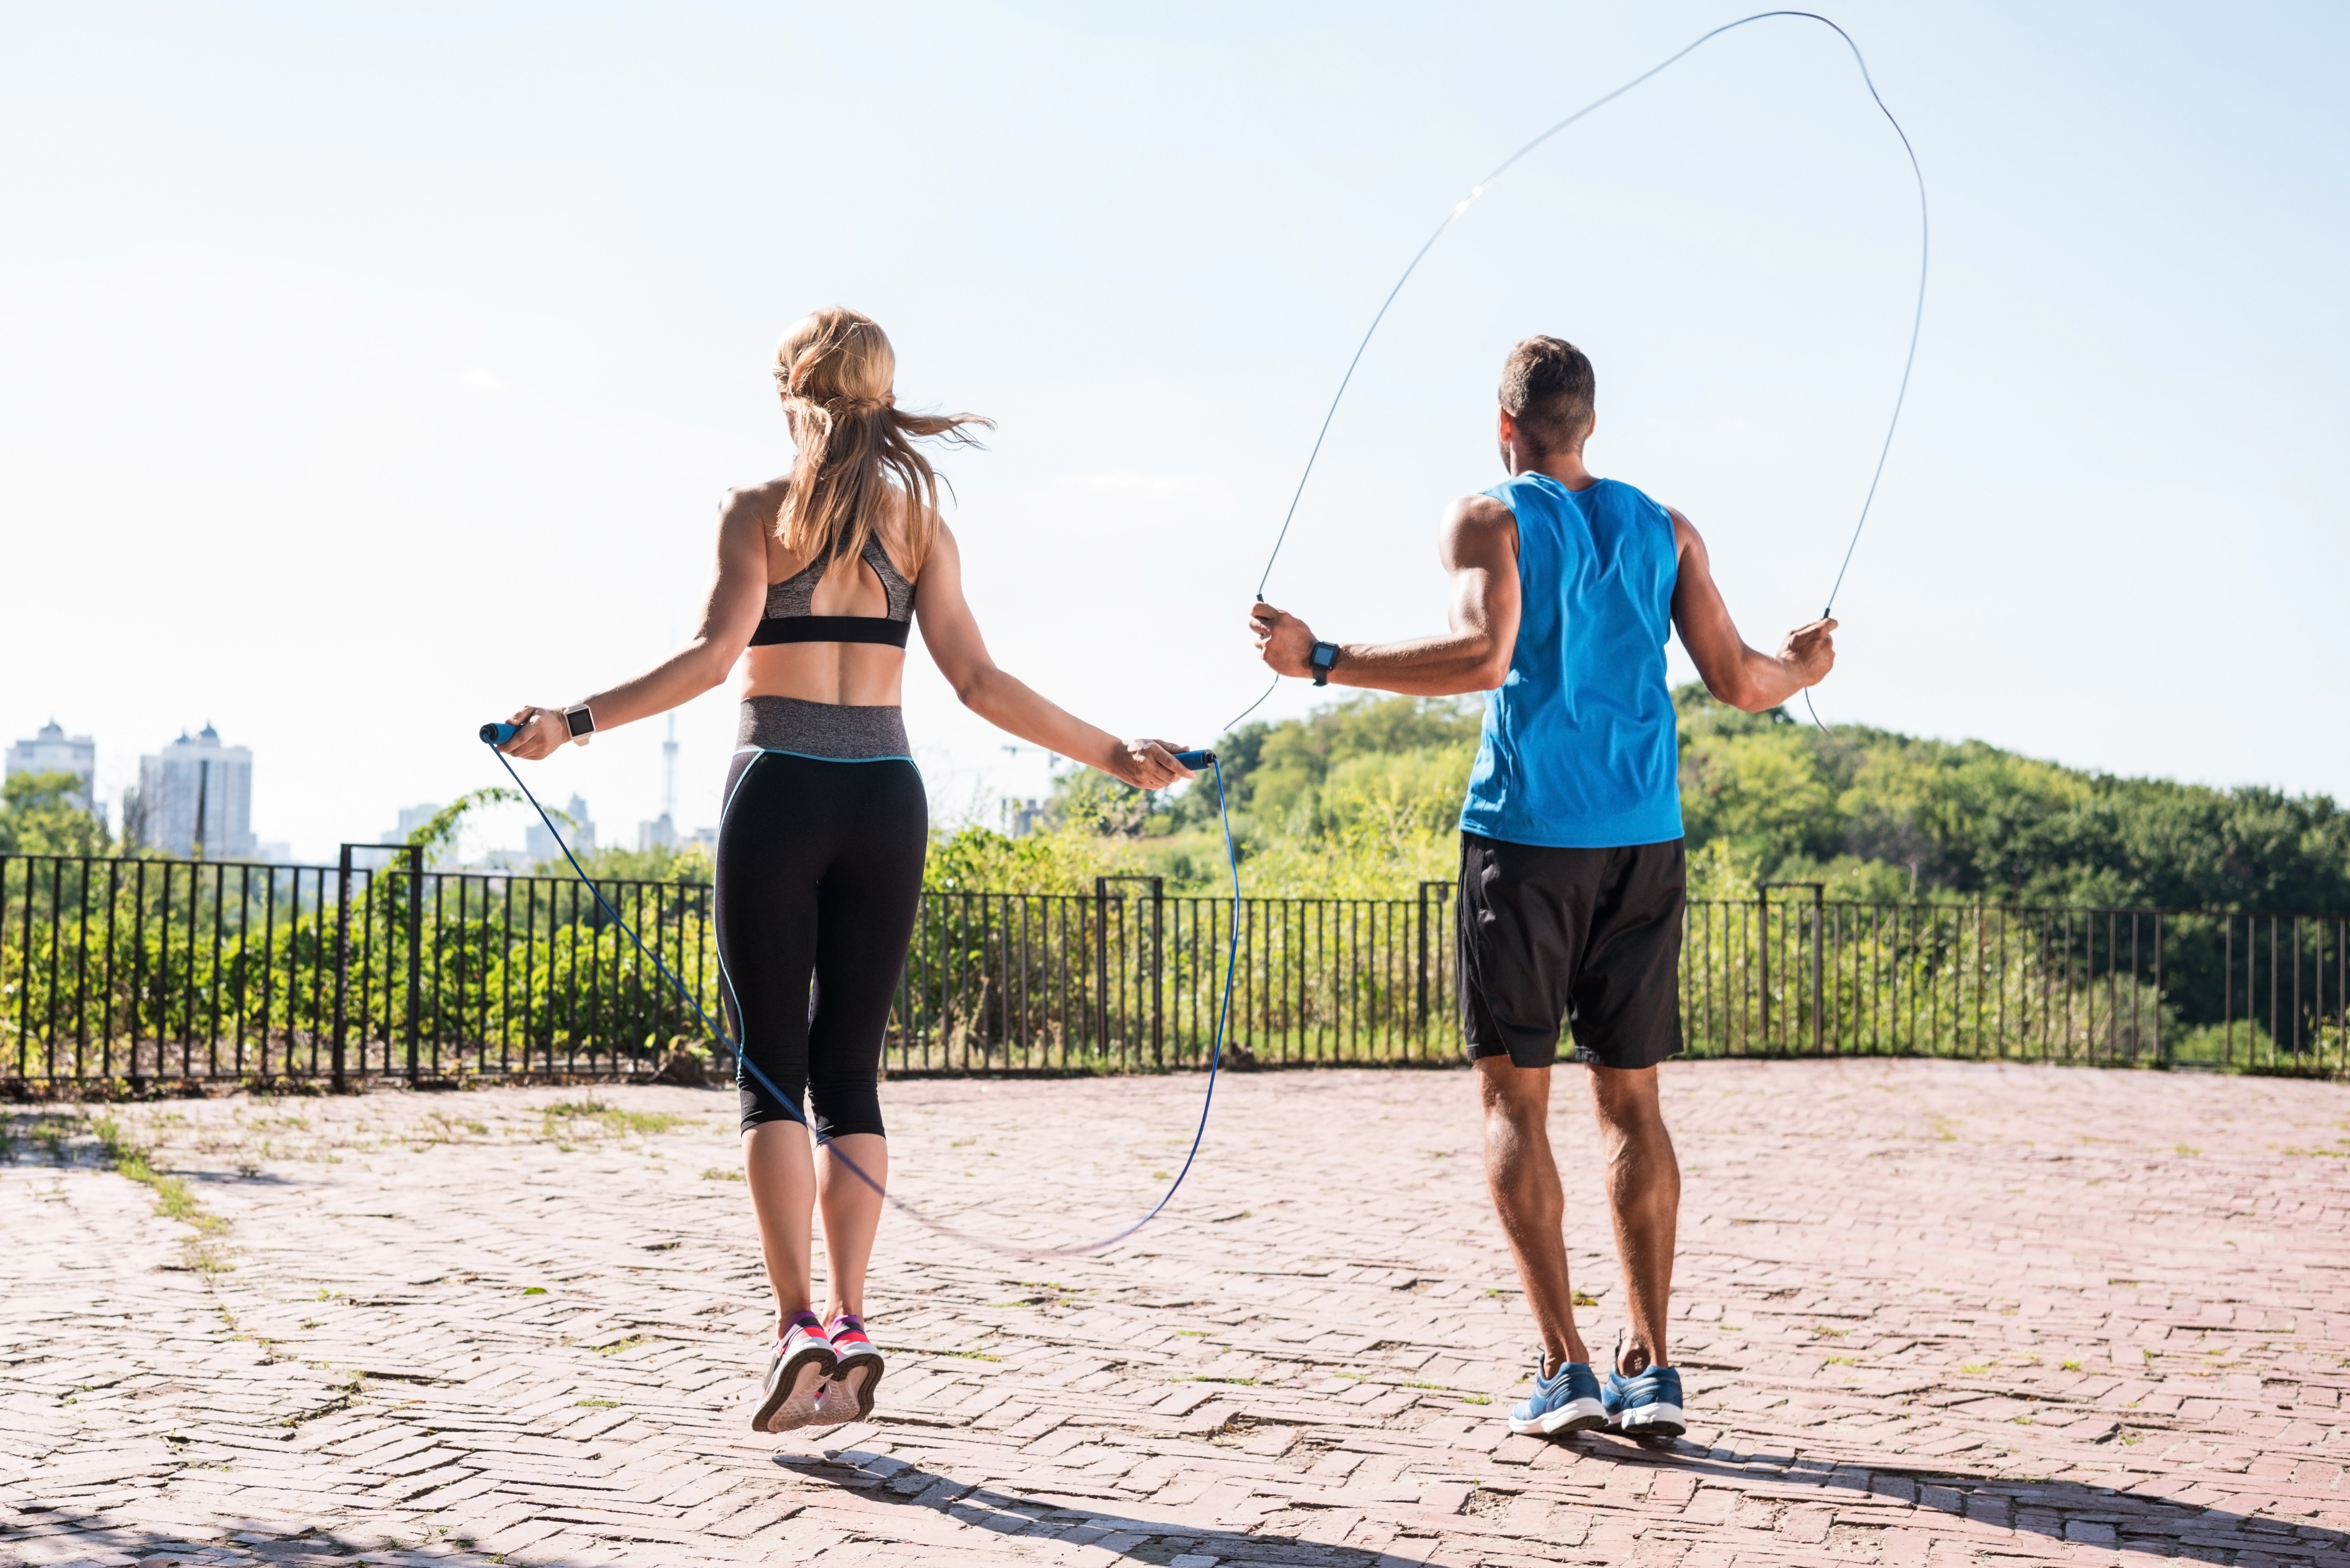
858 674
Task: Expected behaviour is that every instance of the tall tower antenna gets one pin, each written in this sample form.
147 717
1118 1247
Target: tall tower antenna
669 771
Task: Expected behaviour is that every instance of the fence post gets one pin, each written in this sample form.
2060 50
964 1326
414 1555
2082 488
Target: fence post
1444 891
415 952
1101 964
1158 886
1762 958
1819 941
342 957
1158 972
1763 912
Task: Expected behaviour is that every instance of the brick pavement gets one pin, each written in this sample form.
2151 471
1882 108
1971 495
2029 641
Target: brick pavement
1930 1314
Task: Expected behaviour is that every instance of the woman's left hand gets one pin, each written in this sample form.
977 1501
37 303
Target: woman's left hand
1147 764
543 733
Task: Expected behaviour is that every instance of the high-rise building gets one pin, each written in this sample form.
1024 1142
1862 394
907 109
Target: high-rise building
194 798
658 834
50 752
580 832
411 817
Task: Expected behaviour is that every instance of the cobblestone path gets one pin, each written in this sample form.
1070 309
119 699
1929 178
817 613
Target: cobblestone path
1928 1315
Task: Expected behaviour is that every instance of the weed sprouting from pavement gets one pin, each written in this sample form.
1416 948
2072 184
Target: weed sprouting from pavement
174 1200
563 1119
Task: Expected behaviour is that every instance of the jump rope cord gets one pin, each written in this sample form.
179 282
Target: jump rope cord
1223 1011
1917 319
1215 1059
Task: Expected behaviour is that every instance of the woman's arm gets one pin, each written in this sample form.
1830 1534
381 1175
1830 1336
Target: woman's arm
1743 677
952 635
738 597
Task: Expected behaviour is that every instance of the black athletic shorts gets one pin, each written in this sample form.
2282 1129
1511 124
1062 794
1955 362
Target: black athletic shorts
1588 936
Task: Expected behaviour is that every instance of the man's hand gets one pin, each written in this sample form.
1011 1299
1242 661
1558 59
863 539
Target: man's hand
1284 642
1147 764
1809 651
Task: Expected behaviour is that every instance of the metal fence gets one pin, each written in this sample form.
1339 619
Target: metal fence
156 971
1793 972
150 969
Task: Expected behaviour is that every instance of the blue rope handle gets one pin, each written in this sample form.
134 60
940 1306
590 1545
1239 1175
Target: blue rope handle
494 734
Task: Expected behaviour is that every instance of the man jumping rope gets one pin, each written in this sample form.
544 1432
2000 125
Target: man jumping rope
1571 874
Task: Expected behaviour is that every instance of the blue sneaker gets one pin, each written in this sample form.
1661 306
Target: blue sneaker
1649 1406
1565 1401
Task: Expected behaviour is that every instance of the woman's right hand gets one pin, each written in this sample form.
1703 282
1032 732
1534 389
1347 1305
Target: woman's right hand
543 733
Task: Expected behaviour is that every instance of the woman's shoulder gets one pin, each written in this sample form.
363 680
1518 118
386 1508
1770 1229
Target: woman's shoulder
764 499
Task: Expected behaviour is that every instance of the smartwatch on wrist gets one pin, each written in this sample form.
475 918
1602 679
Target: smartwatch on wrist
580 721
1323 659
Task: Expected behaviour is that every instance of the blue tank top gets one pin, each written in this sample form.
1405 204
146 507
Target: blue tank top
1579 750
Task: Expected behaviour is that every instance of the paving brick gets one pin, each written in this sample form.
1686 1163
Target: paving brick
1929 1313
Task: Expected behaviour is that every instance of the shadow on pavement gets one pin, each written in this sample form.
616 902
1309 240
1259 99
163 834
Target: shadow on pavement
2068 1511
62 1536
2059 1509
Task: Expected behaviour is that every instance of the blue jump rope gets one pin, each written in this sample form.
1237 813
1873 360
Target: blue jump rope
496 735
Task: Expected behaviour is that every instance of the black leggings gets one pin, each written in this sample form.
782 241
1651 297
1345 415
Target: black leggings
819 864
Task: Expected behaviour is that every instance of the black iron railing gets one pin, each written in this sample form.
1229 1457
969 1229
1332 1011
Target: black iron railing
1792 972
152 970
163 969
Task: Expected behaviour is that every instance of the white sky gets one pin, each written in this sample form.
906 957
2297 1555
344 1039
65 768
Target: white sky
368 370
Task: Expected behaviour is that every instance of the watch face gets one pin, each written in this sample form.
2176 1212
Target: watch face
1325 654
579 721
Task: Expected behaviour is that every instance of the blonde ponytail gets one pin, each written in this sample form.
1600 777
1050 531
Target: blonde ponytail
835 370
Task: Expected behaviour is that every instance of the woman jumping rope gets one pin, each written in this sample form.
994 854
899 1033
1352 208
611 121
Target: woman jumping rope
825 827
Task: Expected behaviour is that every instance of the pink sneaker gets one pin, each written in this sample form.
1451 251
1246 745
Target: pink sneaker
856 1372
796 1377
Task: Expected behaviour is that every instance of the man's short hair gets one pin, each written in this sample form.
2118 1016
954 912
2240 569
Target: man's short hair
1548 388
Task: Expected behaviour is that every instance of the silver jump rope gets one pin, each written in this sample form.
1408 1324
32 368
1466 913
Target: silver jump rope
1916 318
496 735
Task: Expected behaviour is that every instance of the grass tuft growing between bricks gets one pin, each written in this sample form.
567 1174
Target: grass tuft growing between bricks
174 1200
564 1118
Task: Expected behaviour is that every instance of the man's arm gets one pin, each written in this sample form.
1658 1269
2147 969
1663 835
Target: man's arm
1736 674
1479 549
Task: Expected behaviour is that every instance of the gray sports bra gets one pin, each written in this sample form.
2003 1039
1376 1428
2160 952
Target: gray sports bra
789 619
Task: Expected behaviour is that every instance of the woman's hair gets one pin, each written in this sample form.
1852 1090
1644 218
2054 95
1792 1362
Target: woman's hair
835 370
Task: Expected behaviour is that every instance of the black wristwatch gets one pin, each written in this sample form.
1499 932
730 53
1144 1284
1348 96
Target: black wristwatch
1323 659
580 723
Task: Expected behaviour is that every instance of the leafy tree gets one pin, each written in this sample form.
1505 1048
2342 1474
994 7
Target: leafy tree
438 837
684 863
38 816
1363 796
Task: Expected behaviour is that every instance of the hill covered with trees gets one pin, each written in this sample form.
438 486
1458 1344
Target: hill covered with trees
1361 799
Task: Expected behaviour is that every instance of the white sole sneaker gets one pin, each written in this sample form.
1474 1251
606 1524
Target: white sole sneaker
795 1386
1575 1416
849 1396
1652 1421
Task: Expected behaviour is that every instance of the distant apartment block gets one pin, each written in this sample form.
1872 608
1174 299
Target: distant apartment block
411 817
196 793
52 752
579 832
